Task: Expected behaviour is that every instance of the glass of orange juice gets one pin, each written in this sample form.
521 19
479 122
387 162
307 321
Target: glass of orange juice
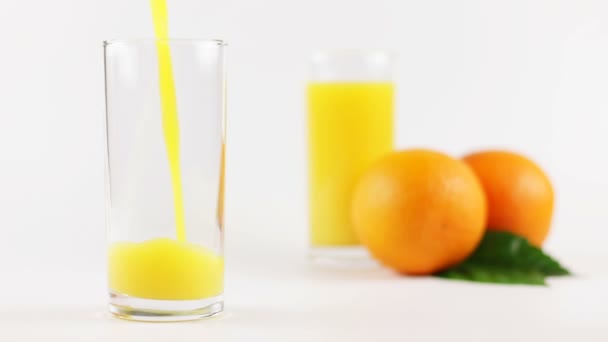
165 125
350 125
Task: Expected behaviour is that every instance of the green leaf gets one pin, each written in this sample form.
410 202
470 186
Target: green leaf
506 258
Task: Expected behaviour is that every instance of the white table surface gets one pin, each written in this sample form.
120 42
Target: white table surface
270 298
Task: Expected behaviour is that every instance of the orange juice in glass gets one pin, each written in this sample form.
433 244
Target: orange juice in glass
350 125
165 177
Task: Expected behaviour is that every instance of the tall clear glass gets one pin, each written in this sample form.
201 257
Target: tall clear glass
165 123
350 125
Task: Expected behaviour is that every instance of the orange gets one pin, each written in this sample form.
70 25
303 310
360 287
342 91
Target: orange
419 211
520 195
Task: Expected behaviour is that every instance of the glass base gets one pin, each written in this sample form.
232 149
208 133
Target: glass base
342 256
152 310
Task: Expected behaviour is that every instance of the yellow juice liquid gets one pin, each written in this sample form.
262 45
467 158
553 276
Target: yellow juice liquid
167 269
168 102
350 126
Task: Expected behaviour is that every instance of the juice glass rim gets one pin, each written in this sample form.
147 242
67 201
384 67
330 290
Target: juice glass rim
329 53
139 41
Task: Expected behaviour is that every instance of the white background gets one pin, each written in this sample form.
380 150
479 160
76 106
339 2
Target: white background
527 75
